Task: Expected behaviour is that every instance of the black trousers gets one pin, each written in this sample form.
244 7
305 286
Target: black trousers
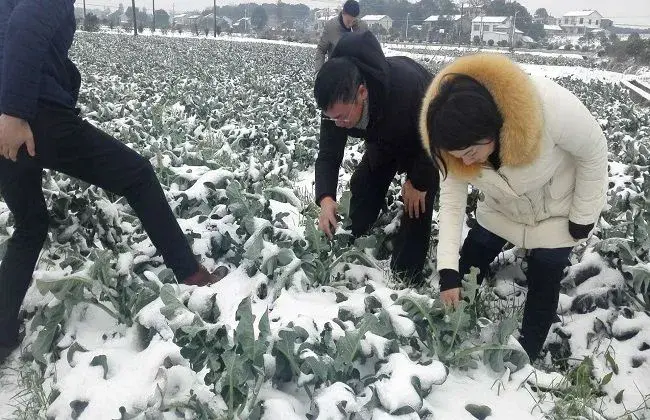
66 143
369 187
544 273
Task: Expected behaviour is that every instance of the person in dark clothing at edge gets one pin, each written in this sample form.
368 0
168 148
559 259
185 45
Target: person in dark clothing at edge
366 95
346 22
40 128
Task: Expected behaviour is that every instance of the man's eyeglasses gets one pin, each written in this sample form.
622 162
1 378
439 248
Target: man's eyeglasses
341 120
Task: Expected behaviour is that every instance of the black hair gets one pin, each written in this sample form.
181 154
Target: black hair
337 81
351 7
462 114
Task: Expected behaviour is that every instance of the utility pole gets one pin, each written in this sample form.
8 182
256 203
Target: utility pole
214 15
407 26
460 23
514 28
84 14
135 23
153 25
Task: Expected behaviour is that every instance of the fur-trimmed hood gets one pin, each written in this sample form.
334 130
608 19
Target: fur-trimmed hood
517 100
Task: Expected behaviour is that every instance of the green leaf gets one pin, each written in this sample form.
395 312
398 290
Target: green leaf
145 296
403 411
75 347
344 204
348 349
379 325
166 276
609 360
65 288
46 336
606 379
254 246
264 327
285 256
315 238
318 367
619 397
419 308
78 407
252 348
284 350
236 202
100 361
505 330
234 391
172 304
617 245
640 281
364 242
283 195
480 412
470 285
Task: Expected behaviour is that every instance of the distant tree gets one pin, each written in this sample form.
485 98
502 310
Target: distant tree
259 18
536 31
162 18
91 23
218 29
635 45
541 13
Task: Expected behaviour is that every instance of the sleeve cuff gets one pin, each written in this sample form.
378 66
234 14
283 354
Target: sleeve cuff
449 279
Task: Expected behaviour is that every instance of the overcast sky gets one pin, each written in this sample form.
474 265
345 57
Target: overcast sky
621 11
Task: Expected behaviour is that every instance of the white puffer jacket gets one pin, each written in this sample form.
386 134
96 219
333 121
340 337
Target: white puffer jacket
554 163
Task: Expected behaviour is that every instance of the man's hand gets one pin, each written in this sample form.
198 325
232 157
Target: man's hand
327 218
414 199
451 297
14 132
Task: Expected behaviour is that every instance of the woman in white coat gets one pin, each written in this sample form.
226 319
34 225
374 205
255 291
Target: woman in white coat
539 160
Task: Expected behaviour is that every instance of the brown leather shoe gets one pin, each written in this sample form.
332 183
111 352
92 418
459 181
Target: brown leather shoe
204 278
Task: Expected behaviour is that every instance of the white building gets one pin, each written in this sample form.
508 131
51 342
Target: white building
495 28
553 30
581 22
374 21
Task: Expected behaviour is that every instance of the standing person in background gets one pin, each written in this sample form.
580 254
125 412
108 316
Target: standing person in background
40 128
335 28
539 159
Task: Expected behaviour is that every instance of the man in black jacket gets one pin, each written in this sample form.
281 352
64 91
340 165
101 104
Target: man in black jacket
364 94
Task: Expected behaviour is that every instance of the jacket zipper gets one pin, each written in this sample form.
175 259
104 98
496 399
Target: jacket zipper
530 203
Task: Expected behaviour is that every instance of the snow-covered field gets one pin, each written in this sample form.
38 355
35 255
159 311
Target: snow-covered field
302 328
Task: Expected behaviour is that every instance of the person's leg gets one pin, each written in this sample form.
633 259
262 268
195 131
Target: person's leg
70 145
368 188
20 185
544 273
480 248
411 245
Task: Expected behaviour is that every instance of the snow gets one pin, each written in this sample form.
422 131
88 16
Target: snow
150 375
401 371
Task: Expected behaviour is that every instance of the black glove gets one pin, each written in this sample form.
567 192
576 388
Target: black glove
579 231
449 279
